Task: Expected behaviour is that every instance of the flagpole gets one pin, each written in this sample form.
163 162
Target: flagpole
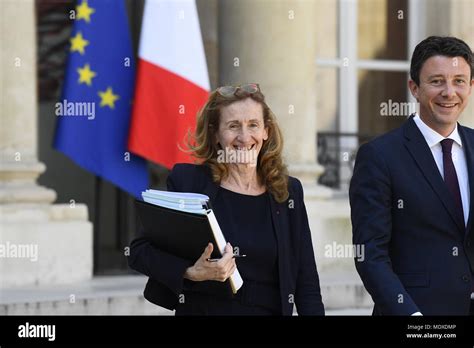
97 197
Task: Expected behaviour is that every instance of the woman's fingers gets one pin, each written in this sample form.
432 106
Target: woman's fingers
227 257
227 269
207 251
228 248
220 270
230 265
232 270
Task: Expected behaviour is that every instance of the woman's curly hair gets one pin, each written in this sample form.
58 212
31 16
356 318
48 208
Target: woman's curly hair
271 169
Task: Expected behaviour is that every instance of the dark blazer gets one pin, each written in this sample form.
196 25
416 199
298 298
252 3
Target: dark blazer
419 255
299 282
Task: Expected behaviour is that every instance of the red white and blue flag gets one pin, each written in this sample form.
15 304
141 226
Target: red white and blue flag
172 81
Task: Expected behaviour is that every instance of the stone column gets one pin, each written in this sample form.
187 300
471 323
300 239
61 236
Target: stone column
208 11
274 43
39 242
19 167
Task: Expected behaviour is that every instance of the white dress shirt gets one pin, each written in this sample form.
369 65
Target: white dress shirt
433 139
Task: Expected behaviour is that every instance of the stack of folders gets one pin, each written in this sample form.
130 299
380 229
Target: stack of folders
182 224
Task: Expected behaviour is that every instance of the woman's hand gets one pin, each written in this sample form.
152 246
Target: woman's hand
206 270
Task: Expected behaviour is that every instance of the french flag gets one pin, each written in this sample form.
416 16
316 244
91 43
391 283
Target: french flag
172 81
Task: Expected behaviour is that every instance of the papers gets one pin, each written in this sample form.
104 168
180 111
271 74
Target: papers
182 201
183 235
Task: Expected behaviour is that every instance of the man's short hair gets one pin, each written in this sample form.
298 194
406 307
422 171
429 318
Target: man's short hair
439 46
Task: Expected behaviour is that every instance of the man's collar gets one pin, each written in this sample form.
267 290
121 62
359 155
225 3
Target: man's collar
432 137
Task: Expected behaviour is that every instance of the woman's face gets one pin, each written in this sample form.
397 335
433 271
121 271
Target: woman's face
241 132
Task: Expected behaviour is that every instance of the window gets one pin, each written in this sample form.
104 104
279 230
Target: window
374 39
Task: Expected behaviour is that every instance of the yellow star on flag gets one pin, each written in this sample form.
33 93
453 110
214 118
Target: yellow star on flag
78 43
108 98
86 74
84 11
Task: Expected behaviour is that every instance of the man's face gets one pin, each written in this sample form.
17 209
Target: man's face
445 86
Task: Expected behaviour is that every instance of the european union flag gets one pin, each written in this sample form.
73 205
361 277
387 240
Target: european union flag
94 111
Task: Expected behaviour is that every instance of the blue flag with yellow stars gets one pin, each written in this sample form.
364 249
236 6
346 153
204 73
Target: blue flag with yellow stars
93 114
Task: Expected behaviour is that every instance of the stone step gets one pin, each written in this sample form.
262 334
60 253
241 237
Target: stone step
105 295
123 295
341 290
349 311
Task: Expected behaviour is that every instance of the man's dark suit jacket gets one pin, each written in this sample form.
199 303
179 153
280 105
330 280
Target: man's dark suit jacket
299 282
419 256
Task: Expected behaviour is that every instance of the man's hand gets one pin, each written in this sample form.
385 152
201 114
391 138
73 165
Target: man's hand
205 270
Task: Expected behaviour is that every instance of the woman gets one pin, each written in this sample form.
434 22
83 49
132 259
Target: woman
260 210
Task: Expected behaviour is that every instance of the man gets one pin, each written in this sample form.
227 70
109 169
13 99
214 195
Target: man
412 194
